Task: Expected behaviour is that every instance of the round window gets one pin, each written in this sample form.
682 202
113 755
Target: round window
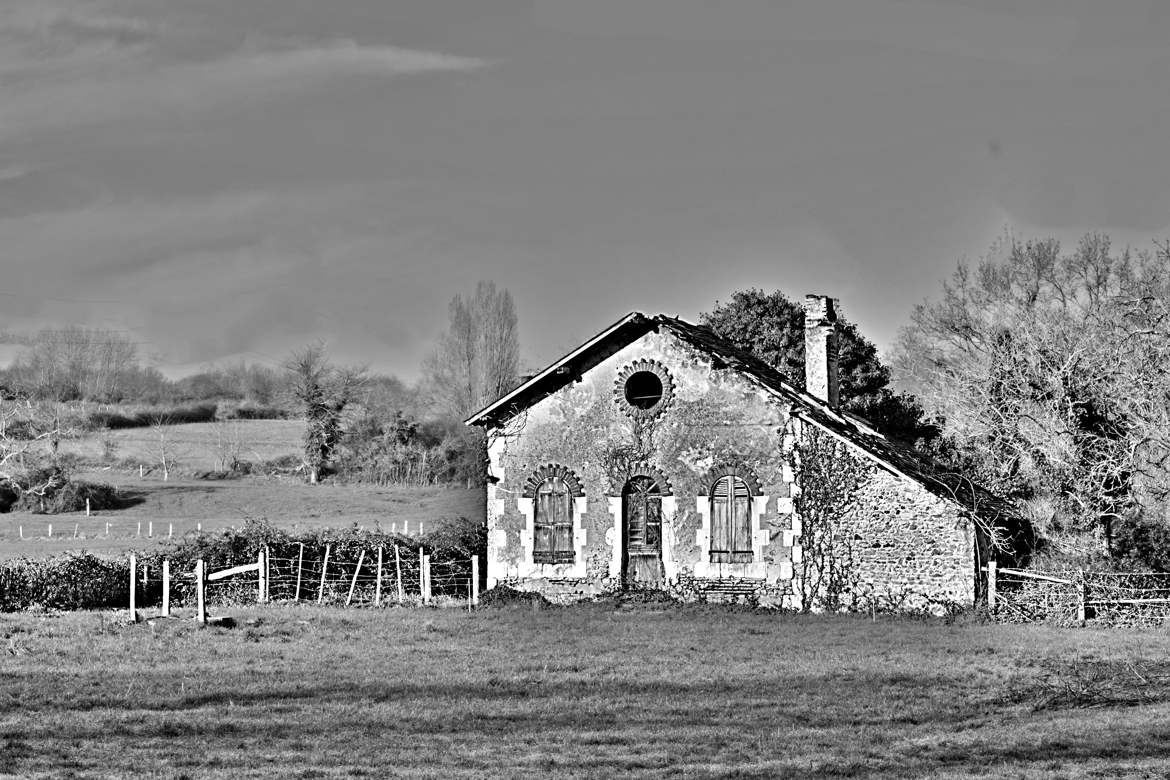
643 389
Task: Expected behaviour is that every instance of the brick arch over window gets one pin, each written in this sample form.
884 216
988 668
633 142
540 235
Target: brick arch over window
553 471
732 470
619 482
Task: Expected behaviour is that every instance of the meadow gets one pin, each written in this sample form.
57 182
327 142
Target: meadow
156 508
598 690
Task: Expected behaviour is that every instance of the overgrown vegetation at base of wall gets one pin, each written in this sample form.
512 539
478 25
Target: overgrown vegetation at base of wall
86 581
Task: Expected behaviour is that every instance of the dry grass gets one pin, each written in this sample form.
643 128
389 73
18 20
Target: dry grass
592 691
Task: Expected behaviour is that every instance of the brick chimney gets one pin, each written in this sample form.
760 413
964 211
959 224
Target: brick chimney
820 348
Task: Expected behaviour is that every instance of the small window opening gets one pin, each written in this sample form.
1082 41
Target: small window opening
643 389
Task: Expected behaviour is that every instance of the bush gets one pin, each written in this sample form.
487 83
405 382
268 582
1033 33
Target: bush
148 417
68 497
81 581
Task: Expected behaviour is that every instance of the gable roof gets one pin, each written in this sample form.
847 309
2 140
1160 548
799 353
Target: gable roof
892 456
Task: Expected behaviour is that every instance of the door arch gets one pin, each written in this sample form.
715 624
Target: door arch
642 533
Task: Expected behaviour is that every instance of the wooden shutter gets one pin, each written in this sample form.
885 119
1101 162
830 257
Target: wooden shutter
552 535
563 526
731 521
542 534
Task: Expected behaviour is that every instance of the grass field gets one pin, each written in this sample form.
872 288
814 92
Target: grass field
599 690
180 506
196 446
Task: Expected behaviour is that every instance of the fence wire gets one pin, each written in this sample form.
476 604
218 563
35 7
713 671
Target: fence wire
312 578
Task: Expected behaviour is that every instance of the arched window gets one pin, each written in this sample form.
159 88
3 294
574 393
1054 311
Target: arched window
553 522
731 520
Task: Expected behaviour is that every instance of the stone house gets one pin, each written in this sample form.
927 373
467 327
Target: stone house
658 455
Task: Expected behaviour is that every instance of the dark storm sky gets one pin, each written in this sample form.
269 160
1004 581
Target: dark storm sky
235 178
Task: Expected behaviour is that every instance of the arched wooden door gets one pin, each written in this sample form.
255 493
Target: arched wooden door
642 540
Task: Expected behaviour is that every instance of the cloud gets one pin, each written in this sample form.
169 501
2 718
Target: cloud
68 70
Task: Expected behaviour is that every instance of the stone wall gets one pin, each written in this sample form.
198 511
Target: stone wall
714 417
907 548
912 549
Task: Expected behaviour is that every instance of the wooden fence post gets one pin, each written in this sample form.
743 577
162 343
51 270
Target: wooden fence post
166 605
398 570
1082 596
300 562
201 591
324 566
150 529
422 576
133 588
991 585
475 580
378 581
427 579
260 574
353 582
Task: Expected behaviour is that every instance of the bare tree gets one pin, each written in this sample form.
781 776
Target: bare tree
75 362
478 356
1048 372
323 392
27 453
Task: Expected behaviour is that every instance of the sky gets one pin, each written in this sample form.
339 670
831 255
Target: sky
233 179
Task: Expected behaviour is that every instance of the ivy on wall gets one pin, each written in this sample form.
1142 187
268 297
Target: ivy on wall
829 476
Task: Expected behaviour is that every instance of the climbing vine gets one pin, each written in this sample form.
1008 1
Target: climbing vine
829 476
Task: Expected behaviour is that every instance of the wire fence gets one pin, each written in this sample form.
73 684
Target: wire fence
1077 597
348 576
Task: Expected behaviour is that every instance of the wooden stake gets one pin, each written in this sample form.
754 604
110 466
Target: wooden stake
353 582
75 526
267 574
199 527
140 471
260 576
422 576
991 586
22 533
150 528
107 529
133 588
200 591
300 562
139 531
87 507
170 530
166 605
427 570
475 580
50 530
378 581
398 570
1082 597
324 566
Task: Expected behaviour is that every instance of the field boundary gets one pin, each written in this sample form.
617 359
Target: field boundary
1076 597
390 574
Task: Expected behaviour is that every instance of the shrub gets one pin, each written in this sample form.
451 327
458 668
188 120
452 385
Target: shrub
69 497
81 581
145 418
